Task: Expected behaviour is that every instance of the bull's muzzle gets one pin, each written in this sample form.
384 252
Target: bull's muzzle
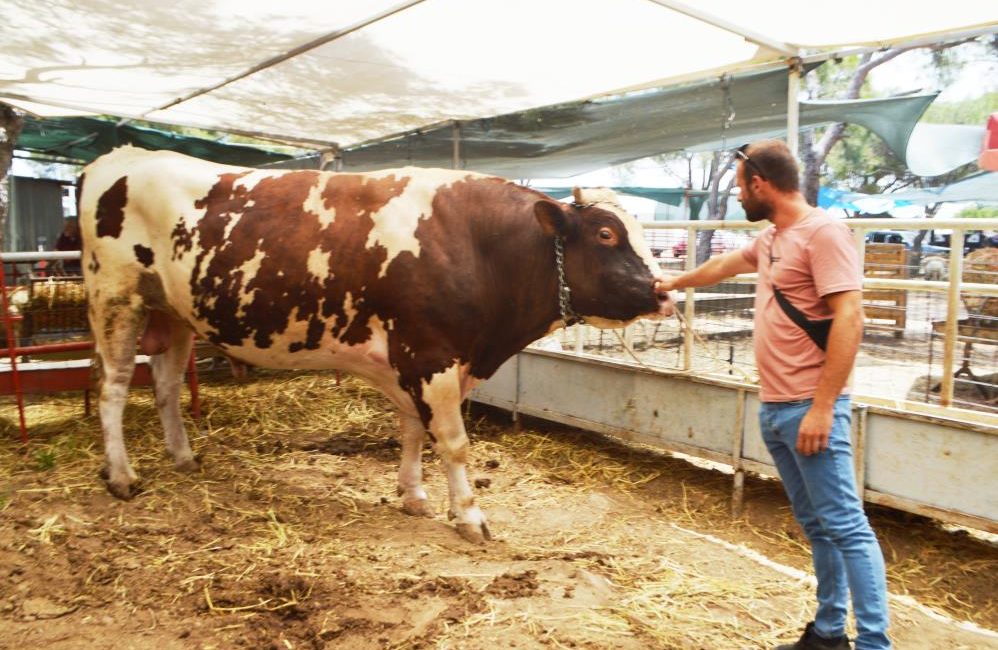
666 300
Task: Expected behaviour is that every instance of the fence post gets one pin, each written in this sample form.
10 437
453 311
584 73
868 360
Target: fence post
952 313
688 311
738 488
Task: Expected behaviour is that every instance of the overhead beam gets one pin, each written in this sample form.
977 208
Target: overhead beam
720 23
280 58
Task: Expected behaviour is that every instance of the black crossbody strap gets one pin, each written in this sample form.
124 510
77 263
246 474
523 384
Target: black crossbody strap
817 330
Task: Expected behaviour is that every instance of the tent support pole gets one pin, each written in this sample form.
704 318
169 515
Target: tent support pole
793 106
721 23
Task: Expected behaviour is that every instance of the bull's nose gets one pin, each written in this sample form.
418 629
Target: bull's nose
666 301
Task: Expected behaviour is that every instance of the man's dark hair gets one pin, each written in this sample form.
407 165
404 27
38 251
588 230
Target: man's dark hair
773 161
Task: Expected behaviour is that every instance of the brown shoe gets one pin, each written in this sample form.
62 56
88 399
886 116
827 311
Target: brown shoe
811 641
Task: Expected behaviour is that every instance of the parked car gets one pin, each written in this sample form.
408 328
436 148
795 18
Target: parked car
907 238
722 242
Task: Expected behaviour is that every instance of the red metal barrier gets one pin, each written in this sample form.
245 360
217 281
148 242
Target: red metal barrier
60 376
8 322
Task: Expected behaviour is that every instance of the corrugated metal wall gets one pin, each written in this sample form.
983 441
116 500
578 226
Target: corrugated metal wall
36 216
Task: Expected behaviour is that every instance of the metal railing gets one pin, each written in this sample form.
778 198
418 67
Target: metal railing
944 295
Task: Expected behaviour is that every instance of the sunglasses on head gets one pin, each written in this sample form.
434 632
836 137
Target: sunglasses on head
744 157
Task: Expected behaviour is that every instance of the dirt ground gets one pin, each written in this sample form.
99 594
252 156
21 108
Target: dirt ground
292 537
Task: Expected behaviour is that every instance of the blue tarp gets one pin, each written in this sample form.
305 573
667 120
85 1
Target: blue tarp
982 187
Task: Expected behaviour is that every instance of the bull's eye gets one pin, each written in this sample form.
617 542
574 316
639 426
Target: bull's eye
607 236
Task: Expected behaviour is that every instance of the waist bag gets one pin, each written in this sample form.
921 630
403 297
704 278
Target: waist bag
817 330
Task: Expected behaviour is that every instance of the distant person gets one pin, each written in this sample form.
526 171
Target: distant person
69 240
808 326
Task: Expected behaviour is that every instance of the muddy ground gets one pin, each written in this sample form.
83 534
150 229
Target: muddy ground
292 537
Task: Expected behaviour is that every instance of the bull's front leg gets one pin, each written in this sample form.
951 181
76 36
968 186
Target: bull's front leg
443 395
410 486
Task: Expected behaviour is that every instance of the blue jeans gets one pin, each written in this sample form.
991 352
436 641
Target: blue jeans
822 492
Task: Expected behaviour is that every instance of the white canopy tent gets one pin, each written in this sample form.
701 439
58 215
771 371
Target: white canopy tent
330 74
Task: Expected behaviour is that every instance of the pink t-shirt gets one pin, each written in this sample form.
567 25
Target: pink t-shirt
810 259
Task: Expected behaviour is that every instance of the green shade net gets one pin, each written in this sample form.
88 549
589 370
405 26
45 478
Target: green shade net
83 139
572 138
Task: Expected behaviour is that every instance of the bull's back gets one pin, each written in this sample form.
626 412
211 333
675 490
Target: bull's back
287 262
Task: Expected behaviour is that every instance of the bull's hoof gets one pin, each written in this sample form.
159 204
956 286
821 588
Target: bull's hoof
189 466
418 508
475 533
122 490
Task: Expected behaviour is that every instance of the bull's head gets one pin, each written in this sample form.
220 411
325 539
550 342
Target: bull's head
608 266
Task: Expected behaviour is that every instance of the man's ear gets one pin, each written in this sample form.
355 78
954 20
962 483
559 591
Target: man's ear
760 185
551 216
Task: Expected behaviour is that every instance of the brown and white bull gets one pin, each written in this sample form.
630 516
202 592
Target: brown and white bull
422 281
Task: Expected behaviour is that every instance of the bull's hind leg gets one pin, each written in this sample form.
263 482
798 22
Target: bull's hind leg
410 486
115 325
443 395
168 377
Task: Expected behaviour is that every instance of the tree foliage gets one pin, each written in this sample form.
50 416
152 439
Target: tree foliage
978 212
855 159
969 111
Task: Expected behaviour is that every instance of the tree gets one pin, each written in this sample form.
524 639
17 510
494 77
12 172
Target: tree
849 79
717 199
862 161
702 174
979 212
11 122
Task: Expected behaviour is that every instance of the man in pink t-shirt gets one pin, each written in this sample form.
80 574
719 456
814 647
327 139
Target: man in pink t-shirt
808 326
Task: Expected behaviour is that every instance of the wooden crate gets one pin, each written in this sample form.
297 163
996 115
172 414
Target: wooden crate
888 307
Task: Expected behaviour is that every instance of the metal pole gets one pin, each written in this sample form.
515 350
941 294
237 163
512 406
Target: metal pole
457 144
688 312
11 349
738 488
284 56
859 449
192 384
25 350
952 312
859 238
517 424
793 106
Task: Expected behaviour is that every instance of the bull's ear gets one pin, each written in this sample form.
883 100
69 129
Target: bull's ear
551 216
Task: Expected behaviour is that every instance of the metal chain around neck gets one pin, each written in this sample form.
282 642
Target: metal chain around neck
568 315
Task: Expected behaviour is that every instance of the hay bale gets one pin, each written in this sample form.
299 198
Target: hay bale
981 266
57 305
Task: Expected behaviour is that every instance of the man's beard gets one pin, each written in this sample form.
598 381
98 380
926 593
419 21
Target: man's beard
756 210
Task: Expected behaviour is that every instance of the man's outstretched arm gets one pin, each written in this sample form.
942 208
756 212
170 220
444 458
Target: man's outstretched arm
711 272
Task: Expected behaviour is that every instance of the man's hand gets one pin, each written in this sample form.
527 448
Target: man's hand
669 282
812 437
